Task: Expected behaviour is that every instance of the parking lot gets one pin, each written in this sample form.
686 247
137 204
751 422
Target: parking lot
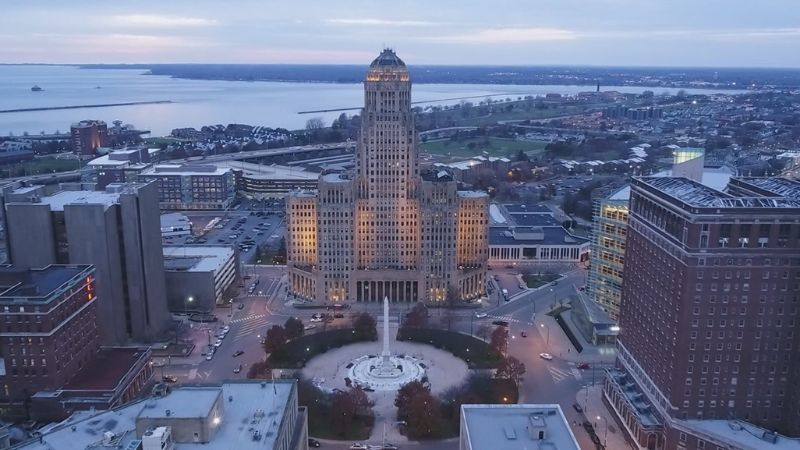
244 229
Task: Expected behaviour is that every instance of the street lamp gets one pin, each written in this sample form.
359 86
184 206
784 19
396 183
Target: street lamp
548 333
605 435
186 305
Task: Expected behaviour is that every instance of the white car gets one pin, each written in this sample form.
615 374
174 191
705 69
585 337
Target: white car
359 446
209 357
481 315
309 327
218 343
315 319
226 328
546 356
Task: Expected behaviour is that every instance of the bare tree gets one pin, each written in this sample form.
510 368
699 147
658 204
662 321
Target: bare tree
315 123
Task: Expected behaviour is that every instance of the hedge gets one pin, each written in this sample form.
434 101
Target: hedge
298 351
476 352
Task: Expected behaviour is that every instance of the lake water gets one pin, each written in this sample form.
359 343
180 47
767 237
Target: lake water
205 102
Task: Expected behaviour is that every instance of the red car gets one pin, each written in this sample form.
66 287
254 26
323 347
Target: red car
583 366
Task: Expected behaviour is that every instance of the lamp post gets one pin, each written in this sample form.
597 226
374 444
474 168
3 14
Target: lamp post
548 334
189 301
605 434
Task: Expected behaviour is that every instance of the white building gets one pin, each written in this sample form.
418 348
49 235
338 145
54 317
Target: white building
515 427
175 224
197 276
246 415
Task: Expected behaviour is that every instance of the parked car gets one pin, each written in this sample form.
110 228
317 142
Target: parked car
577 407
218 343
546 356
237 369
481 315
359 446
338 315
169 379
313 442
238 353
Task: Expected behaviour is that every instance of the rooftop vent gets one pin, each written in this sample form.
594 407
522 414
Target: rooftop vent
168 413
509 433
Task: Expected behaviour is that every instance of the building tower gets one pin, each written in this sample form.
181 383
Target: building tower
388 230
709 332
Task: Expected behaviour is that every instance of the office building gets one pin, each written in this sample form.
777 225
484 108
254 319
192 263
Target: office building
48 329
610 223
246 415
708 321
389 230
117 231
515 427
197 276
120 166
87 136
192 186
271 180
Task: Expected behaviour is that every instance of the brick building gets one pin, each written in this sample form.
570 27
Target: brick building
708 320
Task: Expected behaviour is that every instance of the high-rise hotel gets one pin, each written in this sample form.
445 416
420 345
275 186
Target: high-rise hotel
390 229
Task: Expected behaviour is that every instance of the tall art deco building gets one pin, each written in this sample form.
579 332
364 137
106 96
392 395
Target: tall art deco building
390 229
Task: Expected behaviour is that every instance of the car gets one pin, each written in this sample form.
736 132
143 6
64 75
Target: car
359 446
546 356
237 369
240 306
481 315
218 343
238 353
315 319
387 446
209 357
523 334
169 379
226 328
338 315
500 323
313 442
309 327
577 407
583 366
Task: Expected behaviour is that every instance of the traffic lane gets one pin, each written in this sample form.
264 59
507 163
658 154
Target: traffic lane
223 362
540 299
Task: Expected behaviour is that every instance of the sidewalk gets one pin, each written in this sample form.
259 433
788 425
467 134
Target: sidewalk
591 400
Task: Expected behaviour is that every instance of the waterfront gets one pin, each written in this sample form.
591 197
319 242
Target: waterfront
195 103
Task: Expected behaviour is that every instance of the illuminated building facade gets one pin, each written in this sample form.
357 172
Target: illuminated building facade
87 136
389 230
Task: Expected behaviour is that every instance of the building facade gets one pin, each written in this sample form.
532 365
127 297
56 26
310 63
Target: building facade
120 166
198 275
87 136
709 330
192 186
389 230
48 329
117 231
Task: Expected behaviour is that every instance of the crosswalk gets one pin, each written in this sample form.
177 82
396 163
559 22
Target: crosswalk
510 319
558 375
250 325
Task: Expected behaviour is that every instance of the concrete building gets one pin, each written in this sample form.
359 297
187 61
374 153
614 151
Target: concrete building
175 224
270 180
48 329
87 136
707 352
515 427
120 166
246 415
389 230
117 231
192 186
197 276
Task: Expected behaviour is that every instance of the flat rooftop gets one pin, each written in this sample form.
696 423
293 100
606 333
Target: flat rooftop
552 235
781 187
106 370
196 258
514 208
38 283
698 195
242 402
268 172
335 178
743 435
186 170
507 427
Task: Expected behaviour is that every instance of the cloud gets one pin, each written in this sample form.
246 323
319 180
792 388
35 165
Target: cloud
373 22
155 21
507 36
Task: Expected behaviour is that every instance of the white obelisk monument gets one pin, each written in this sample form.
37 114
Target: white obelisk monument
385 353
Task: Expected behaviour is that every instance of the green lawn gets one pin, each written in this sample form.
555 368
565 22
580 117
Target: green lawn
40 166
520 114
535 281
476 147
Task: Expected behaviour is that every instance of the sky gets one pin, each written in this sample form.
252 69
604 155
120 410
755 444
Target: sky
718 33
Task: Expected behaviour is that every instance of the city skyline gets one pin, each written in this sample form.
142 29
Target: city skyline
607 32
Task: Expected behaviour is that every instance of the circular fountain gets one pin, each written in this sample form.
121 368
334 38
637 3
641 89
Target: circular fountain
386 372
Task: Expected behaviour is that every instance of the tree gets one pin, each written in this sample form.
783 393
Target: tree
417 317
425 419
275 340
499 340
521 156
315 123
260 371
364 326
510 368
343 411
293 328
408 391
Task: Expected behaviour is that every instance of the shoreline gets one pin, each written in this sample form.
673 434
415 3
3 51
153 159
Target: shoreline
100 105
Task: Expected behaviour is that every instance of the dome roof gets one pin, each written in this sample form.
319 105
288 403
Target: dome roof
387 58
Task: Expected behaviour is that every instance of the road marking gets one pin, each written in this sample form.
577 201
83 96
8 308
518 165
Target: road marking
557 374
193 374
250 317
577 374
509 318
